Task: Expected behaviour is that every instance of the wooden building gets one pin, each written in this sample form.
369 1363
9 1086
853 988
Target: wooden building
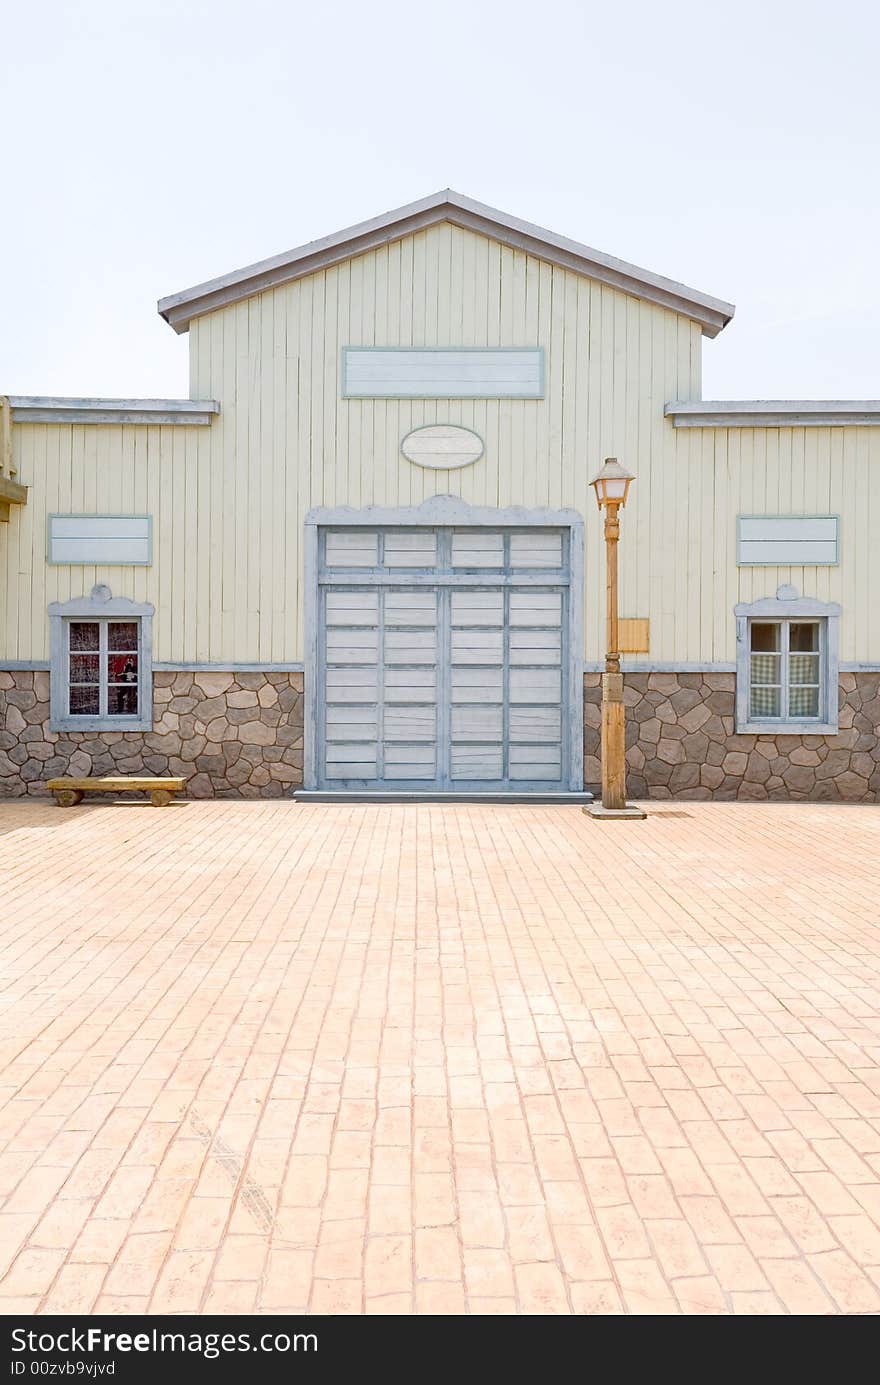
363 556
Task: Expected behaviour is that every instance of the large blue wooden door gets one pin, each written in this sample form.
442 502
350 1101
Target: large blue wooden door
441 659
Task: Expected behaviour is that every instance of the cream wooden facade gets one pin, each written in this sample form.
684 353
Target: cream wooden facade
229 500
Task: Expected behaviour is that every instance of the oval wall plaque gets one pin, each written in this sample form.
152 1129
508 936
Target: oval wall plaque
442 446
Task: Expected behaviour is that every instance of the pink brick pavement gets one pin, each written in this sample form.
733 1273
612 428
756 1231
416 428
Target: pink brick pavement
439 1059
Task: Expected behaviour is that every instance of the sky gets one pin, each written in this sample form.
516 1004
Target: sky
150 146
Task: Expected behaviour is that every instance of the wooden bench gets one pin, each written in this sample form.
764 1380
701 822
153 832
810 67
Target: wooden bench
69 792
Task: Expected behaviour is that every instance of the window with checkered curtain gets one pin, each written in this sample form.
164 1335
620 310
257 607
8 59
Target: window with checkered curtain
785 670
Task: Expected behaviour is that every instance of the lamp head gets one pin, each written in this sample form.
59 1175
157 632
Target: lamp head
612 483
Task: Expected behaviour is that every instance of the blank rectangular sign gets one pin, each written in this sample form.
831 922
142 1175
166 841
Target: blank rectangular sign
100 539
787 540
372 372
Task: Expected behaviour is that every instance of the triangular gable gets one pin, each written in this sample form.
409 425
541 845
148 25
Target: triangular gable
180 308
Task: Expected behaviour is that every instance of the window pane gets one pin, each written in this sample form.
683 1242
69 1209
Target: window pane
84 668
84 634
122 668
803 702
803 668
122 634
765 635
765 702
803 636
122 700
765 669
83 702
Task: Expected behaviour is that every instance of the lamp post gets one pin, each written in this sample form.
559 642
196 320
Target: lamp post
611 486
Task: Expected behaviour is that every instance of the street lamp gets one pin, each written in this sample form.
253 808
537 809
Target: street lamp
611 486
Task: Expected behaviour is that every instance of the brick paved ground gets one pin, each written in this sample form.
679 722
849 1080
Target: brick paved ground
440 1059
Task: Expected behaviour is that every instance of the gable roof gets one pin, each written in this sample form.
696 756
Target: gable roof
179 309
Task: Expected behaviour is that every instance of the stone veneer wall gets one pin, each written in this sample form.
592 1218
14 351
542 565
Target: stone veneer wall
681 742
230 735
240 735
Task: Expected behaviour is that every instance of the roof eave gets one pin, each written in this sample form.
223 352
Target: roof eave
33 408
179 309
774 413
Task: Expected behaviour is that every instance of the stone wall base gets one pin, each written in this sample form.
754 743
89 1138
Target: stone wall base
230 735
681 743
240 735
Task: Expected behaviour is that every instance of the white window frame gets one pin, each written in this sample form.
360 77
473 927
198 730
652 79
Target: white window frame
100 606
786 607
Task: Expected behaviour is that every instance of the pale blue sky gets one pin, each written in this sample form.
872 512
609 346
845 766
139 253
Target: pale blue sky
148 146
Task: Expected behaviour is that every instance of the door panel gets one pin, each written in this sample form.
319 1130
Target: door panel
447 684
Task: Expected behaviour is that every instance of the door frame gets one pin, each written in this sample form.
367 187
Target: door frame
444 511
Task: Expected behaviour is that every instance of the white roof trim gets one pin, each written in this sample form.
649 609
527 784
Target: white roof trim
775 413
34 408
179 309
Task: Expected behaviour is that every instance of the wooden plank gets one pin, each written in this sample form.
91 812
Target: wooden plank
477 608
117 783
12 492
535 608
410 646
352 548
542 724
352 646
535 685
535 762
477 762
7 465
352 608
477 684
351 769
409 685
351 723
477 647
410 608
477 723
779 553
351 684
477 548
410 762
539 550
410 723
535 647
406 548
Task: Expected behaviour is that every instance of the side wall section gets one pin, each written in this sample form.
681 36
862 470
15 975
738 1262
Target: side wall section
230 735
681 743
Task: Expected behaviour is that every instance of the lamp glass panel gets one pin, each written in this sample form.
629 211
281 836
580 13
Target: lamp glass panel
615 488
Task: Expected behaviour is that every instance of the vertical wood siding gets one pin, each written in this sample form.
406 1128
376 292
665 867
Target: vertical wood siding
228 501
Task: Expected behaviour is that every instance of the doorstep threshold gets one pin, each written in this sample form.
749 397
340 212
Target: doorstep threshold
427 796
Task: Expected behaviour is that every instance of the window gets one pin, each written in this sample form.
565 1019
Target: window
784 667
787 664
103 658
101 664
